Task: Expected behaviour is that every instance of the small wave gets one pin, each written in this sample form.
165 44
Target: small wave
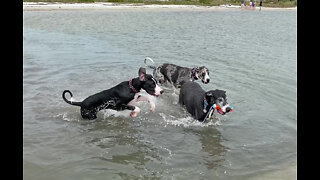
67 117
113 113
188 121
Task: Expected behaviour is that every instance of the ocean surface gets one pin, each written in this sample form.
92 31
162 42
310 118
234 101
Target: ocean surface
251 55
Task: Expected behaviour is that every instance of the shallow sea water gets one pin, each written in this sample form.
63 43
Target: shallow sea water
250 54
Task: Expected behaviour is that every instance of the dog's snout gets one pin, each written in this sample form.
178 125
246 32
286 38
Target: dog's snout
228 109
161 91
208 80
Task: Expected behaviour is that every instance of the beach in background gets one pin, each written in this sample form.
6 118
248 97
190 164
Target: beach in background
104 5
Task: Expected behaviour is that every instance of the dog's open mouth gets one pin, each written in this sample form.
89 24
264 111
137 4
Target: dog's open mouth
221 112
153 94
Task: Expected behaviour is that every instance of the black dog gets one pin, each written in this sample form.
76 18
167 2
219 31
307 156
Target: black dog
121 97
177 75
198 102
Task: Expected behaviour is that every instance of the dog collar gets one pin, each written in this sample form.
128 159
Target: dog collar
132 88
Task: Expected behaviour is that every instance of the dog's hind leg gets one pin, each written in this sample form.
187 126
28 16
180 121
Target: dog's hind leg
127 107
108 105
181 99
88 114
175 90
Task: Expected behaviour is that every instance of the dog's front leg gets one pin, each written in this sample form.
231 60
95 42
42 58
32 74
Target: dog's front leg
135 110
148 99
139 97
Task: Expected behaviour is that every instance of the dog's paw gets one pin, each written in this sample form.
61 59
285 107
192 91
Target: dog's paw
133 114
152 107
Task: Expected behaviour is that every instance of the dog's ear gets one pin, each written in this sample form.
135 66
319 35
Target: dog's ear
222 91
209 94
142 74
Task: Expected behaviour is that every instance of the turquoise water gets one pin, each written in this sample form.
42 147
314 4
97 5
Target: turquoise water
250 54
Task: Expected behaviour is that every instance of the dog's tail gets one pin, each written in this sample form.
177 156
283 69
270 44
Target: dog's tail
70 102
145 61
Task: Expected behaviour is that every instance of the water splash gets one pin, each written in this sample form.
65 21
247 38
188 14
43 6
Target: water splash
67 117
188 121
113 113
72 99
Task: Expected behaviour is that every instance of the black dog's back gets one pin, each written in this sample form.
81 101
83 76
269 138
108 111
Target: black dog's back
97 99
200 103
105 96
191 95
188 91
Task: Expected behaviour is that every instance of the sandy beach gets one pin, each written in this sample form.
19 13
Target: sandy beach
30 6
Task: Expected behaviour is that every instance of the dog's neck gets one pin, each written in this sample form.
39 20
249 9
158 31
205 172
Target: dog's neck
135 85
193 73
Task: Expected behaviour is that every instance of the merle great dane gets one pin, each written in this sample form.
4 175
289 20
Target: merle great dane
198 102
120 97
177 75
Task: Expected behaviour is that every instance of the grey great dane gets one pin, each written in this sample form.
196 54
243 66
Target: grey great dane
177 75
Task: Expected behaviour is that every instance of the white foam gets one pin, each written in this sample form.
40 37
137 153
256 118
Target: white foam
109 112
188 121
67 117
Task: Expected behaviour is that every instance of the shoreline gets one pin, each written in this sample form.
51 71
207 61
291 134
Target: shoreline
34 6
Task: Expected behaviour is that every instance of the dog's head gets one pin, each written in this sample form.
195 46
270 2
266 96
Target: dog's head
150 84
219 98
203 74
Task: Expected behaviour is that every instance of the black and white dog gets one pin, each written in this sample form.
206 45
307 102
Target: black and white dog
198 102
177 75
120 97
